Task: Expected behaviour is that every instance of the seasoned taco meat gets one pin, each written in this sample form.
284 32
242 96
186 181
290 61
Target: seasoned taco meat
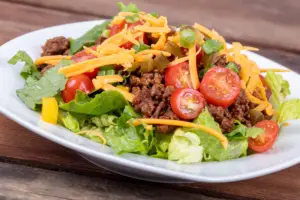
152 97
56 46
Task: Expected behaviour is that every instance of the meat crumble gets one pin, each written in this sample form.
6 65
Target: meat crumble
56 46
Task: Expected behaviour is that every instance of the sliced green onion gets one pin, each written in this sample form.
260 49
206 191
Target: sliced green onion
187 37
107 70
129 8
212 46
154 14
140 47
233 67
106 33
132 19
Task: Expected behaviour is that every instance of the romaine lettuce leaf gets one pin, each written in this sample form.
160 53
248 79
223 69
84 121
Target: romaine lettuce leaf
29 69
68 121
185 147
104 120
162 145
129 8
280 88
213 149
289 110
240 131
88 39
48 86
105 102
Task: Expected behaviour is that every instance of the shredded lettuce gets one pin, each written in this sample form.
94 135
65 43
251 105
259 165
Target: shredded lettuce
105 102
88 39
162 145
240 131
48 86
289 110
69 121
185 147
213 149
104 120
29 69
280 88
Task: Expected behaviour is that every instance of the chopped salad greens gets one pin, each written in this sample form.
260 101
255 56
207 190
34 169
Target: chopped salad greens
141 86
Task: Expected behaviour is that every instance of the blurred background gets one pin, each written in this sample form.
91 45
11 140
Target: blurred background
267 24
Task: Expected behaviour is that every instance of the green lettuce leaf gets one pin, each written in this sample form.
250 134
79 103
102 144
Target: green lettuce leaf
129 8
88 39
104 120
132 19
126 138
289 110
69 121
213 149
48 86
240 131
185 147
280 88
29 69
162 145
105 102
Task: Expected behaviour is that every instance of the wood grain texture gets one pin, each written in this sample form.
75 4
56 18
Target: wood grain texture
20 182
271 23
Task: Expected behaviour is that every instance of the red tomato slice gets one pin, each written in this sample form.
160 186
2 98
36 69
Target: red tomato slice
267 87
264 142
82 56
80 82
220 86
178 75
116 28
187 103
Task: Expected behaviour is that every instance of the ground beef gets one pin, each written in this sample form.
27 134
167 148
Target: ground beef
152 97
56 46
239 110
220 61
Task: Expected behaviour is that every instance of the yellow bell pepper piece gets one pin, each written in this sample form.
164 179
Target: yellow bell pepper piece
49 110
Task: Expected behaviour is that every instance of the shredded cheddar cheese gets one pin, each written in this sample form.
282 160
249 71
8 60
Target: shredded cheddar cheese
100 80
208 130
91 51
160 43
128 96
154 52
45 59
193 68
149 29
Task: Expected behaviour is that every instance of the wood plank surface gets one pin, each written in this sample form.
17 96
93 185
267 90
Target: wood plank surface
272 23
20 182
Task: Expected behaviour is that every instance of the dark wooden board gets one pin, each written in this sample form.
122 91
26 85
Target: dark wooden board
272 23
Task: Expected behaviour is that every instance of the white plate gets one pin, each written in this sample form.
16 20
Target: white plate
284 154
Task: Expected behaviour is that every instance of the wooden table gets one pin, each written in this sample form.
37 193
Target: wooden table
34 168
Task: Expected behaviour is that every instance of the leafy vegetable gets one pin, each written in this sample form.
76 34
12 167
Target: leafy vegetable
280 88
154 14
240 131
233 67
48 86
106 33
213 149
105 102
132 19
162 145
129 8
88 38
187 37
289 110
126 138
212 46
140 47
29 69
185 147
68 121
107 70
104 120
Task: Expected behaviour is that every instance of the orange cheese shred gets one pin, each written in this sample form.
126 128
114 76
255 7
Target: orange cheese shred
44 59
149 29
193 68
128 96
208 130
100 80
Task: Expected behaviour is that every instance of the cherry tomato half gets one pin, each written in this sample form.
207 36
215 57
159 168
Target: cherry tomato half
267 87
220 86
264 142
187 103
178 75
80 82
82 56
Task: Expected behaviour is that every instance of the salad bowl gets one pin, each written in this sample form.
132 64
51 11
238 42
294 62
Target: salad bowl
284 154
